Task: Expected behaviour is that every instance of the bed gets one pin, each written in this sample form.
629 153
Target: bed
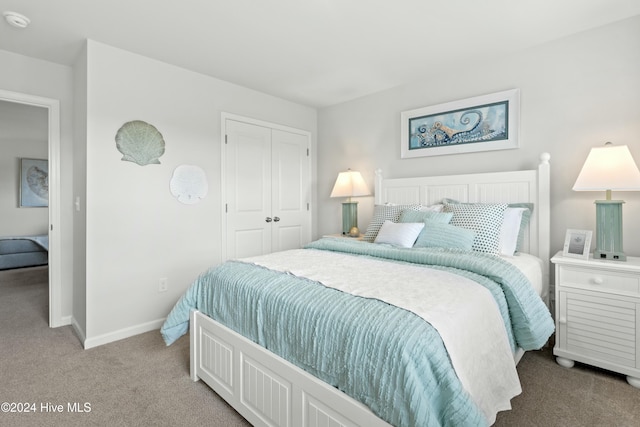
288 341
23 251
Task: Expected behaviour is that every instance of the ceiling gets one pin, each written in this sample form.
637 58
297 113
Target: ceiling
314 52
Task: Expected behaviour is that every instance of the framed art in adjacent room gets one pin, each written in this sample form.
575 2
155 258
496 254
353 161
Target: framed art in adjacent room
577 243
34 183
483 123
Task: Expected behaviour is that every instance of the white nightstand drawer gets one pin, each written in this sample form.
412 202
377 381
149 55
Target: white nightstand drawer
590 278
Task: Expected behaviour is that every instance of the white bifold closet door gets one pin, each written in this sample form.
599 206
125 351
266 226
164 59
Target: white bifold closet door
267 189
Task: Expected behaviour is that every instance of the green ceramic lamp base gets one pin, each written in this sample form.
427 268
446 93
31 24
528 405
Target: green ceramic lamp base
349 216
609 230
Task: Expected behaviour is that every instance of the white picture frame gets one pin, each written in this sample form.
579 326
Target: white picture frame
577 243
482 123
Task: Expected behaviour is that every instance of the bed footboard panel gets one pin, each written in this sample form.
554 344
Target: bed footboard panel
264 388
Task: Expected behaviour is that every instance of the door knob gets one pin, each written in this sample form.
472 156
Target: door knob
276 218
268 219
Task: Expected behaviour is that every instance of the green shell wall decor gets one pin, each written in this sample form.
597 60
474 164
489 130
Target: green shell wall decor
140 143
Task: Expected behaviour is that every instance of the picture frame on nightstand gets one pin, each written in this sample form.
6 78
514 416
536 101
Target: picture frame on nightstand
577 243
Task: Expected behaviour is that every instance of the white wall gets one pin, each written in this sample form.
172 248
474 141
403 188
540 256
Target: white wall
576 93
136 232
31 76
80 194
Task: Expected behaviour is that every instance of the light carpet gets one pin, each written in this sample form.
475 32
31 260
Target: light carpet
139 381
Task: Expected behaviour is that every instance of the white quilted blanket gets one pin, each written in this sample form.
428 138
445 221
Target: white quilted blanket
463 312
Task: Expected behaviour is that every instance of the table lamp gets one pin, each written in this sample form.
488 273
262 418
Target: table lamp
349 184
609 168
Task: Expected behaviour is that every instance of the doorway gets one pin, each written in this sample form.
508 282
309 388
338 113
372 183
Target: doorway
54 231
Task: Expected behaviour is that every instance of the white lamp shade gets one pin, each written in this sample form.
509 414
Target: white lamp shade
609 168
350 184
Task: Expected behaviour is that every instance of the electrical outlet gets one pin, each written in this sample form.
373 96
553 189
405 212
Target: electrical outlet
163 285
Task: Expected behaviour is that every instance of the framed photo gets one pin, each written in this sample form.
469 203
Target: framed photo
34 183
577 243
482 123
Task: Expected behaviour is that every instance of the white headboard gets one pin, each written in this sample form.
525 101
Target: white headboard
528 186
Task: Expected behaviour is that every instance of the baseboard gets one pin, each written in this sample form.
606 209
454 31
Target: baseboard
60 321
77 329
122 333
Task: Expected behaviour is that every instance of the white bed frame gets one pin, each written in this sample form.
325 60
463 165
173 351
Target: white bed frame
269 391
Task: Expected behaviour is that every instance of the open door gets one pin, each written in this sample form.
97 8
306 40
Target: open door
55 277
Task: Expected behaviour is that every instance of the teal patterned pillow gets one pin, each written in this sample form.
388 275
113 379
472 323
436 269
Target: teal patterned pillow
420 216
441 235
382 213
526 218
483 218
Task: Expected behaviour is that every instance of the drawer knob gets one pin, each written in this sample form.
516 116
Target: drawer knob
598 280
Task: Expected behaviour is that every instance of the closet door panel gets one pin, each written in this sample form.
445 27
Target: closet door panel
290 196
248 189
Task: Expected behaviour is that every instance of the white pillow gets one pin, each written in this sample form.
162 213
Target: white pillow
402 234
509 230
432 208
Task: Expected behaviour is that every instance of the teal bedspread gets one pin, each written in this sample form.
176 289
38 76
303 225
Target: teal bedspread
387 358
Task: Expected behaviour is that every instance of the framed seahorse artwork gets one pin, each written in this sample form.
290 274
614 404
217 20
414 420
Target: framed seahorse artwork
482 123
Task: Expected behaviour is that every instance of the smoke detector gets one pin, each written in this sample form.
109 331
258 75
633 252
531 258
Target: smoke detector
16 19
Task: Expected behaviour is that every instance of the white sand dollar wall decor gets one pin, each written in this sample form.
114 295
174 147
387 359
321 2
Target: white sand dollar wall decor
189 184
140 143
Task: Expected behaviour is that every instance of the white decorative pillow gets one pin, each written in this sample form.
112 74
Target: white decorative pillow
381 213
483 218
403 234
510 230
432 208
526 218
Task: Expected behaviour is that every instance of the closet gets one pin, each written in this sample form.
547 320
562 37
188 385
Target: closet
266 188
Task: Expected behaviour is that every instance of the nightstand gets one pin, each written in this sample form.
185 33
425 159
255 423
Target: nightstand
346 236
598 314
